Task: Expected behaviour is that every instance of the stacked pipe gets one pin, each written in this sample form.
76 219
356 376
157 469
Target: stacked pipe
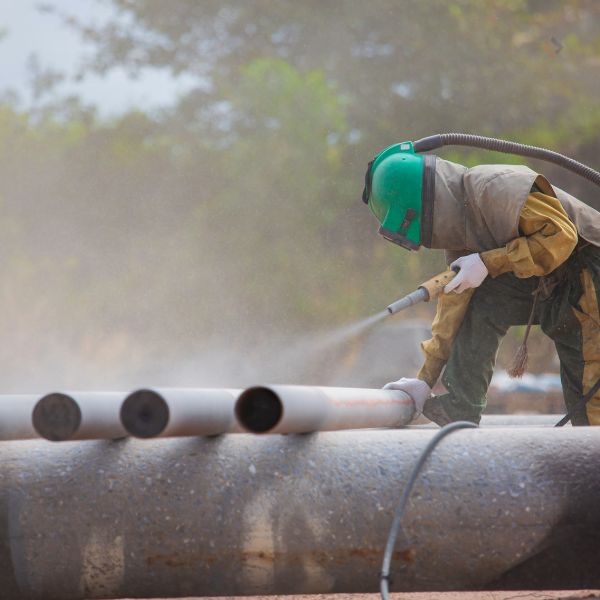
148 413
79 416
179 412
143 413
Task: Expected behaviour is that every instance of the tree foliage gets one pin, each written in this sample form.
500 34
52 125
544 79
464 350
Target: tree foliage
236 210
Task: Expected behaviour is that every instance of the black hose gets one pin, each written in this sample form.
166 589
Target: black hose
477 141
580 404
384 577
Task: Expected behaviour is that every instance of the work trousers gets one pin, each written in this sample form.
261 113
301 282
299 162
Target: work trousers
569 316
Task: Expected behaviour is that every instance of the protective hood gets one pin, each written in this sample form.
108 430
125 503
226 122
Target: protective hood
399 191
446 209
478 209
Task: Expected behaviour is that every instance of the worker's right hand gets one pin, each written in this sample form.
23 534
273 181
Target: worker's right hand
471 274
417 389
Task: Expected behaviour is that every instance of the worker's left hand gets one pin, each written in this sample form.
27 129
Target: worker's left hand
417 389
471 275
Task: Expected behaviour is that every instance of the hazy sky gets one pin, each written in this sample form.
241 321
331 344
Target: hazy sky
29 31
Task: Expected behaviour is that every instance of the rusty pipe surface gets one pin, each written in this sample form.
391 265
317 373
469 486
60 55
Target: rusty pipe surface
302 409
59 416
180 412
242 514
15 416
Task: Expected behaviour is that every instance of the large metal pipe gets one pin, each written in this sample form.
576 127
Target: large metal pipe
15 416
179 412
60 416
509 420
520 420
302 409
241 514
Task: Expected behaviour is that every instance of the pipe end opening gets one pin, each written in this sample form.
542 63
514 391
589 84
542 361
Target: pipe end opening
144 414
56 417
258 409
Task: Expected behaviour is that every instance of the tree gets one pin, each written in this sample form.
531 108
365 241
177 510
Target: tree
236 212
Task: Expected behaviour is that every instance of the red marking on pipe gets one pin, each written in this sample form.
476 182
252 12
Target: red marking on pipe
368 402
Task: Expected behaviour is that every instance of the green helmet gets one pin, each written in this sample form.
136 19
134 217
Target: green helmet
399 192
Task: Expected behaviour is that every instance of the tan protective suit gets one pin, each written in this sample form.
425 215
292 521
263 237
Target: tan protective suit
491 209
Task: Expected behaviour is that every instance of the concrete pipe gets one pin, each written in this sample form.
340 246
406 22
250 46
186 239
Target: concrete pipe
240 515
59 417
302 409
15 416
180 412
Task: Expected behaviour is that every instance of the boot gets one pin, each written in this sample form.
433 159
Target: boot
432 409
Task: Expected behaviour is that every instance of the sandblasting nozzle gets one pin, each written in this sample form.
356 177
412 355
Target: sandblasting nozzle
419 295
429 290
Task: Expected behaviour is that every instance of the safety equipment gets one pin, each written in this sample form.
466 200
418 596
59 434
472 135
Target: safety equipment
472 272
400 183
417 389
569 317
433 142
429 290
395 183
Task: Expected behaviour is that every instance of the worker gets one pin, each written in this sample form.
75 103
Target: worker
526 253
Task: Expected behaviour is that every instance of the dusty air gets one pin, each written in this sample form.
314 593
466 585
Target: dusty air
300 299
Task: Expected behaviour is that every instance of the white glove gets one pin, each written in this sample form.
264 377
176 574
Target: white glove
471 275
417 389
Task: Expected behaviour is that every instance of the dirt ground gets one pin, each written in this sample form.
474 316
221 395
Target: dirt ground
512 595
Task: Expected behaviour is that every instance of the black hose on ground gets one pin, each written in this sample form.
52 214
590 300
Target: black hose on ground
432 142
384 577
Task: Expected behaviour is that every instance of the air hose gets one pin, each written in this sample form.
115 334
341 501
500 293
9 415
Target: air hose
432 142
384 577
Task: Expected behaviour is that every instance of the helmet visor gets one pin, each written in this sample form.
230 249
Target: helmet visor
399 237
367 189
